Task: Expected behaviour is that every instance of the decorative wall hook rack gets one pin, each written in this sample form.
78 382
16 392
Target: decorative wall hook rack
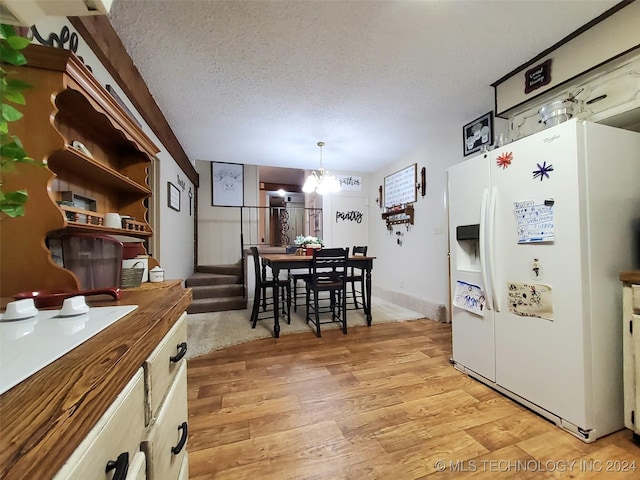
398 215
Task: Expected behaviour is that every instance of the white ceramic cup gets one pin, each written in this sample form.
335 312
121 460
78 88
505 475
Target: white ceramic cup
112 220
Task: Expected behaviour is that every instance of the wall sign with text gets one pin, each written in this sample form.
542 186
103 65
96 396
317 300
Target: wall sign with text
538 76
400 187
352 183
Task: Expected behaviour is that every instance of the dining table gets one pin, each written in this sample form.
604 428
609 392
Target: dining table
286 261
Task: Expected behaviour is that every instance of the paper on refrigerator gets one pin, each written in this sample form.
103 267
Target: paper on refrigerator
534 221
530 300
469 297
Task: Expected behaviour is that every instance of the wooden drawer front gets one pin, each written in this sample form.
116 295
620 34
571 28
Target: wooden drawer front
162 365
169 427
636 297
118 431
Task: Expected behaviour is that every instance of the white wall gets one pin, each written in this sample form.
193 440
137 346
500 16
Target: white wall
351 227
219 227
174 230
415 274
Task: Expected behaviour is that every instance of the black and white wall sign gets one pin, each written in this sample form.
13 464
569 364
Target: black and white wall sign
537 76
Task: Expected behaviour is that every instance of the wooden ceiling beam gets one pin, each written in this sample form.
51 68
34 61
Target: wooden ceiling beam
99 34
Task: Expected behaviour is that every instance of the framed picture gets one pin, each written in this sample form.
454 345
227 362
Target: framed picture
173 196
478 133
227 184
400 187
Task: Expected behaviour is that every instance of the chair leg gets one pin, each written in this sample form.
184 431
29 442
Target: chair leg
308 298
264 299
295 295
288 291
332 304
344 313
353 292
256 308
315 303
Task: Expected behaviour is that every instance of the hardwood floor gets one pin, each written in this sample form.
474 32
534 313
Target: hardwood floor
378 403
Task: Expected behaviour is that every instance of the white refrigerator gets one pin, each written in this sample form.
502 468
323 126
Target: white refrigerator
539 231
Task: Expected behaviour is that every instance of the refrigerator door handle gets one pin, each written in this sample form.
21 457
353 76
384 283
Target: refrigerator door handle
483 248
492 248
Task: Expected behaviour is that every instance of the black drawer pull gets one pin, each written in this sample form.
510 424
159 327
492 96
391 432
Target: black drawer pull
183 439
182 351
121 466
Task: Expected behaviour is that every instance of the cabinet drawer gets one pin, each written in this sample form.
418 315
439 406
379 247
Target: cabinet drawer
118 431
137 467
162 365
184 470
635 297
165 441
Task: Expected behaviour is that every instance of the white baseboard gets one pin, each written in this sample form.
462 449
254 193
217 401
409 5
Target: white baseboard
434 311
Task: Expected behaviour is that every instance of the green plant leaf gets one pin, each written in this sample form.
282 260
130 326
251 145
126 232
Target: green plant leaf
12 203
13 57
12 90
13 150
9 113
17 84
14 96
6 31
18 43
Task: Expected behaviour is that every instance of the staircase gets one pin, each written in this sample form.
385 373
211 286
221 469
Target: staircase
216 288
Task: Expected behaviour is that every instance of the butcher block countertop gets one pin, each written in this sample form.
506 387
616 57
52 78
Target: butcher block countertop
632 276
44 418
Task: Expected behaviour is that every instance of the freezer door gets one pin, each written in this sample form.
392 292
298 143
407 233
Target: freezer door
473 335
539 325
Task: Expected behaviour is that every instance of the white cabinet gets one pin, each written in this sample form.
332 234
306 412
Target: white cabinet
165 442
138 467
144 431
165 439
631 350
162 365
610 97
114 441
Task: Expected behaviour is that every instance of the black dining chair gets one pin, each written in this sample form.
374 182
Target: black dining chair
296 276
356 274
263 296
328 274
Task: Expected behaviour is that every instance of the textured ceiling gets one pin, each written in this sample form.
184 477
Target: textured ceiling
261 82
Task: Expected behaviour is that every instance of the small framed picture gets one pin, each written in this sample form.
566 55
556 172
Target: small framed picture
173 196
478 133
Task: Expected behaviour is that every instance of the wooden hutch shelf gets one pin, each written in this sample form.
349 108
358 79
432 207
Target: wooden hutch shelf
66 105
72 161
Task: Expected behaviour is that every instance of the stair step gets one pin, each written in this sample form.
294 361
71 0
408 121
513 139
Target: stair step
217 291
235 269
217 305
199 279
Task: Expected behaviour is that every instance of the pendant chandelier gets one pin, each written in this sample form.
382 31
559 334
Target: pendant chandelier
321 181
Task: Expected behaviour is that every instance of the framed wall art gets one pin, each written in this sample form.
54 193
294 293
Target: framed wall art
227 184
400 187
478 133
173 196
